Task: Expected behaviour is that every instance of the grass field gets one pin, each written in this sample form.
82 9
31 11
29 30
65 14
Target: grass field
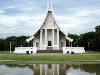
87 57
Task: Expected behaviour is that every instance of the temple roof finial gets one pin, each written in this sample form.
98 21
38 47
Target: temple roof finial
49 5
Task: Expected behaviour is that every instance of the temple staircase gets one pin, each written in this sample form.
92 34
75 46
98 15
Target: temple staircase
49 51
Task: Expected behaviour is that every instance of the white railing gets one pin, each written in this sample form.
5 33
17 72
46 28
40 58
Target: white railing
31 50
73 49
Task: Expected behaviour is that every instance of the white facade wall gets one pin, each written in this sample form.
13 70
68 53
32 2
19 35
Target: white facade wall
24 49
50 38
62 40
73 49
36 40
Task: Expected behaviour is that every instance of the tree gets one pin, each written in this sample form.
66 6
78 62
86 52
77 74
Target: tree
90 40
86 40
74 37
97 28
97 37
15 41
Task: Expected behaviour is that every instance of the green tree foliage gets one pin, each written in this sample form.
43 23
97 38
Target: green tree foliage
97 28
86 40
97 37
15 42
89 40
74 37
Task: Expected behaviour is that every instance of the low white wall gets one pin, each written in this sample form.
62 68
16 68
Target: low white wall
73 49
24 49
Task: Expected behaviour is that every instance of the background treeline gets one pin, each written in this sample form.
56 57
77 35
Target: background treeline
15 42
90 40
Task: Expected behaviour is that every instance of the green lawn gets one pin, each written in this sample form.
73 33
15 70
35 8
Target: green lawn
87 57
50 57
92 52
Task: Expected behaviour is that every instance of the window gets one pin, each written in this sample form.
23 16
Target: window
49 66
49 43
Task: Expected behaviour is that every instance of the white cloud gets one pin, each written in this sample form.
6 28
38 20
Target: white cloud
2 11
84 11
79 22
19 24
25 24
10 7
14 20
28 17
7 20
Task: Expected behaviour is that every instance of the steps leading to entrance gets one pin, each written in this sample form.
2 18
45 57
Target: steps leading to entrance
49 51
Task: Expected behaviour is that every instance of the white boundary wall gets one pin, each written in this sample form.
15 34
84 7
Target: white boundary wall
73 49
24 49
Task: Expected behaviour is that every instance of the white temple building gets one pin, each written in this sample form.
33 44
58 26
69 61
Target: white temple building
50 36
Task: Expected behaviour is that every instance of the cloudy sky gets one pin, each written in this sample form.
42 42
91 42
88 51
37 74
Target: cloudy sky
24 17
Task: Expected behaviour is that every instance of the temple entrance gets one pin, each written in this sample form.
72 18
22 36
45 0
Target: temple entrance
49 45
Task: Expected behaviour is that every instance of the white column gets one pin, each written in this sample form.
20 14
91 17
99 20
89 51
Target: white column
53 69
41 39
58 69
45 38
58 38
71 44
41 69
53 44
46 69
